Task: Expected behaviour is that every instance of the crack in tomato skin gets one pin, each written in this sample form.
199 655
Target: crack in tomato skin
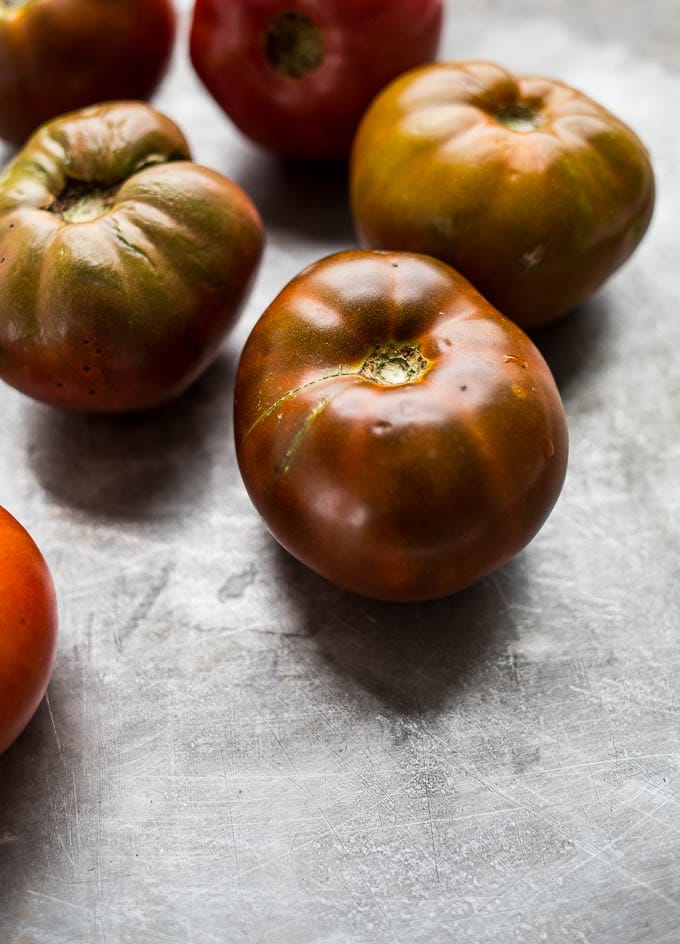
289 394
414 371
284 465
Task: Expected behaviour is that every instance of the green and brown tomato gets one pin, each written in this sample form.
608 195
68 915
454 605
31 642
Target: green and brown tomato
396 433
59 55
28 628
533 191
123 265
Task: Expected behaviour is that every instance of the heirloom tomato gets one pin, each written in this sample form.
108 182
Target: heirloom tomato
397 434
296 75
531 190
59 55
122 263
28 628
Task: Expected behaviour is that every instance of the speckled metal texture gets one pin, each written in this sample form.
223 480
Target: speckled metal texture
233 751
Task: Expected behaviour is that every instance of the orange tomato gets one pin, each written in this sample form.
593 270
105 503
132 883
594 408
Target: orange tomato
28 628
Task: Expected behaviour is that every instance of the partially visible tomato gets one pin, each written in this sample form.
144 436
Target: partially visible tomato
28 628
59 55
396 433
123 264
529 188
296 75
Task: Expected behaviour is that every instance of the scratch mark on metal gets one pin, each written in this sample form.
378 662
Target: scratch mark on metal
429 805
58 901
143 608
54 727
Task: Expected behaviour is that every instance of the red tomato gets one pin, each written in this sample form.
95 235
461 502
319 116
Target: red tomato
59 55
296 75
28 628
396 433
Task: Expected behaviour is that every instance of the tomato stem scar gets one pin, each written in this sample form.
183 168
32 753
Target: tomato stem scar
293 44
517 116
392 364
81 201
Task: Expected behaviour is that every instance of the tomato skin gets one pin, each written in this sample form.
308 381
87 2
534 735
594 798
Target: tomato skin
400 491
313 115
28 628
123 265
533 191
60 55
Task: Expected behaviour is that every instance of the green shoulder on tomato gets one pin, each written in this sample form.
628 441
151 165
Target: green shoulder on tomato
533 191
123 264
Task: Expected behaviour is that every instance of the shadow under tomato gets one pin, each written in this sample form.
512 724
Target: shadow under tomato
413 657
309 199
577 344
136 466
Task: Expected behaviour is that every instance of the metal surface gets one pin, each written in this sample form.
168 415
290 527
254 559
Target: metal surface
234 751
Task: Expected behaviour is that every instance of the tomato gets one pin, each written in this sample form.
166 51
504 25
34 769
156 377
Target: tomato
122 264
59 55
296 75
28 628
396 433
531 190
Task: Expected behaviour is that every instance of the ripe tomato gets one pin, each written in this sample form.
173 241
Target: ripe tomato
531 190
28 628
396 433
58 55
123 265
296 75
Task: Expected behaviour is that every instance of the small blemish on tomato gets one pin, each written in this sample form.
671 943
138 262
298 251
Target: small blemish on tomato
463 387
86 367
514 359
533 258
380 427
59 384
548 449
519 391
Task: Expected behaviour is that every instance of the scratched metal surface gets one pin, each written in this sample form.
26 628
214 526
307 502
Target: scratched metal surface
234 751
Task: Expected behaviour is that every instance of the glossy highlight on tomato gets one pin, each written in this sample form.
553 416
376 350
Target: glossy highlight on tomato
295 76
533 191
396 433
28 628
123 264
60 55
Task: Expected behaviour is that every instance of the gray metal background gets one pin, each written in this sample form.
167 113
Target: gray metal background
234 751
